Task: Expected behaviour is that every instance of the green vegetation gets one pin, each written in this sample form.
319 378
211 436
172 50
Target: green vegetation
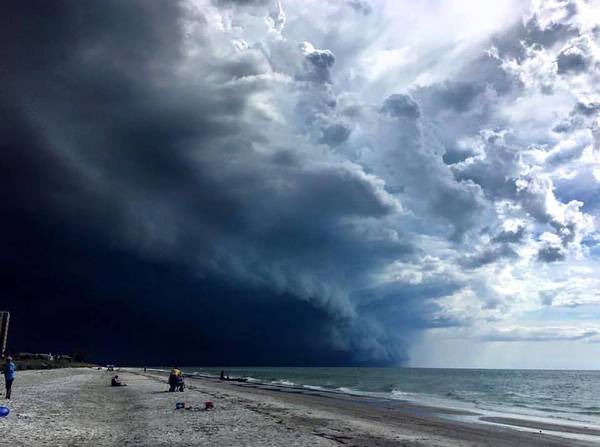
49 364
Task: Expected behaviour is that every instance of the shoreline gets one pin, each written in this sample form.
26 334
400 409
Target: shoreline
433 408
403 411
495 405
78 407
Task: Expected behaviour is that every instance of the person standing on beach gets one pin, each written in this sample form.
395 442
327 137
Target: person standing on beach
10 374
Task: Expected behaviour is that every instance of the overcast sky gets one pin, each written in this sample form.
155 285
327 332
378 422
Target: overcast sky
299 181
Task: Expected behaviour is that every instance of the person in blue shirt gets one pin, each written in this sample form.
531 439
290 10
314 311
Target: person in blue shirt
10 374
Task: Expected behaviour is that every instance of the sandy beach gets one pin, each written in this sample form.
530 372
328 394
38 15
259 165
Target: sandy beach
72 407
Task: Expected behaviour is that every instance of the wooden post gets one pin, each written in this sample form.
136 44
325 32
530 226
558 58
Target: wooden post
4 320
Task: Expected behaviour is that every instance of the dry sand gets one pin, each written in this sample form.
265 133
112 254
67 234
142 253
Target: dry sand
73 407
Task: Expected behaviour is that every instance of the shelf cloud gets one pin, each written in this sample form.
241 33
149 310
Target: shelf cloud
378 184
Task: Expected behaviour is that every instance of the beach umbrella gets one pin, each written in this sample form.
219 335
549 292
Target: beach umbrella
4 412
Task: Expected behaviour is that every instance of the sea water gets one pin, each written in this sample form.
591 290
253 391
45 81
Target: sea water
558 395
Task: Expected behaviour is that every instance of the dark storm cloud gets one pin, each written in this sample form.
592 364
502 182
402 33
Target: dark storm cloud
489 256
551 254
568 125
392 316
455 96
335 134
587 109
548 35
456 155
164 167
101 38
572 59
409 163
401 106
412 307
508 236
256 171
496 172
513 42
319 63
124 309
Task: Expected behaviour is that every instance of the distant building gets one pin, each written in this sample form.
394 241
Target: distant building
4 320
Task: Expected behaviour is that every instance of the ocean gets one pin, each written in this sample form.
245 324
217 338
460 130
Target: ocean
555 395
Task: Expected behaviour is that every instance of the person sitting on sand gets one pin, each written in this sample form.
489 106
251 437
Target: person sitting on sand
116 382
175 378
10 374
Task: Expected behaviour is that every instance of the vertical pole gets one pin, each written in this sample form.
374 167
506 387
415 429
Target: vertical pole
4 320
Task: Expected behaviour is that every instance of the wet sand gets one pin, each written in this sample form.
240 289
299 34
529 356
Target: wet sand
75 407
